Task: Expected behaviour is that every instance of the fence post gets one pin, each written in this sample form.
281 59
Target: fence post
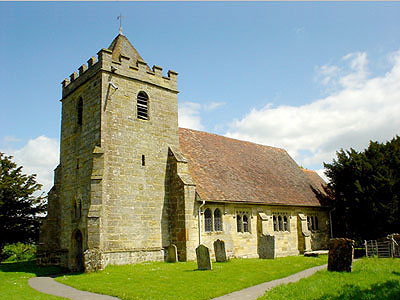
366 248
392 244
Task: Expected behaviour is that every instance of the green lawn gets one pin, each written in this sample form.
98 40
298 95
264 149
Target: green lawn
14 281
371 279
159 280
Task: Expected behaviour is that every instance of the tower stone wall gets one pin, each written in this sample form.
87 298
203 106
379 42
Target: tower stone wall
109 202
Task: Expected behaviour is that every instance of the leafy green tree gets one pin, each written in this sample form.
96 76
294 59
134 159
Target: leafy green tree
366 188
21 208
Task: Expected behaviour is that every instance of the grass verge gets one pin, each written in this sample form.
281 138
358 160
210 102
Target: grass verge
14 281
159 280
371 279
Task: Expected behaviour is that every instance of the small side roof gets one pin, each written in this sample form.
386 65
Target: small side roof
226 169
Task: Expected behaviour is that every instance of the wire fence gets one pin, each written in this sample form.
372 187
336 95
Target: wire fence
385 247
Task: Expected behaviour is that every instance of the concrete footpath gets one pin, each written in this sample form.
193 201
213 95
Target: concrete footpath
48 285
256 291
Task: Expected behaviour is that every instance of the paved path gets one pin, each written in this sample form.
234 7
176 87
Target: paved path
256 291
48 285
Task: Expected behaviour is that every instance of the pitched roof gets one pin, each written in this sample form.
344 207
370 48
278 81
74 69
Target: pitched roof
226 169
317 182
121 46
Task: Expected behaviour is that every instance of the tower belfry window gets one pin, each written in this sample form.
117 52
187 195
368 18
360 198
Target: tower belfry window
142 106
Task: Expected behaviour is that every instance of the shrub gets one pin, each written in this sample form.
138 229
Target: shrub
18 252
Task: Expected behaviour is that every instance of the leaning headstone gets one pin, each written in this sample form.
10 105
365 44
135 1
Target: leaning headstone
219 250
203 258
341 252
266 247
172 253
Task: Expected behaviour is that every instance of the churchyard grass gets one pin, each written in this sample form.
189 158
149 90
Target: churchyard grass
14 281
371 279
159 280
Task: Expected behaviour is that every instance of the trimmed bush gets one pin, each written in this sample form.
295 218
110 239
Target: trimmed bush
18 252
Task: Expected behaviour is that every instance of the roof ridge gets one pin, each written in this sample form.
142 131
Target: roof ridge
233 139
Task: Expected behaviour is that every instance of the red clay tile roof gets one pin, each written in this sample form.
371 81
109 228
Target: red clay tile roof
226 169
317 182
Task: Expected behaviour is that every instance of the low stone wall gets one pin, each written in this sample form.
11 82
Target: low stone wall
131 257
52 258
96 260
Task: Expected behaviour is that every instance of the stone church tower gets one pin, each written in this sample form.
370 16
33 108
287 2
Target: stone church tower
109 203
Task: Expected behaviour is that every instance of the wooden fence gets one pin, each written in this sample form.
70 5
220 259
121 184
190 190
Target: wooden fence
386 247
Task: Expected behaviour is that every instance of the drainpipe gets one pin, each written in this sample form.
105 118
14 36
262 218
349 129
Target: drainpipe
330 221
199 220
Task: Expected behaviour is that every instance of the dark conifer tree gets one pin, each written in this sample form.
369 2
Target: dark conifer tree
21 207
366 190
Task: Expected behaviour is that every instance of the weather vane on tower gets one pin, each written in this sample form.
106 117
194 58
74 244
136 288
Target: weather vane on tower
120 23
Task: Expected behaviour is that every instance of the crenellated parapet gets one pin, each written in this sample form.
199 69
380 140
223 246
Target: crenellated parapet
123 67
76 79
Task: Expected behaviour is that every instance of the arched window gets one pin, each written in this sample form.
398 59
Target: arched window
142 106
285 224
316 223
280 224
207 220
80 111
245 224
275 224
217 220
239 223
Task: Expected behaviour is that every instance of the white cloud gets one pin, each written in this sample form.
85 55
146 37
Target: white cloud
39 156
212 105
362 109
189 113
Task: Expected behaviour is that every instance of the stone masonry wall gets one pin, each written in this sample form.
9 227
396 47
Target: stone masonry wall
77 144
135 200
244 244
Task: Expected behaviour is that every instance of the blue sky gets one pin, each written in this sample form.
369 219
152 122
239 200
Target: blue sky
305 76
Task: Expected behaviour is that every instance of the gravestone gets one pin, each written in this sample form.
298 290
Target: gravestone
172 253
219 250
266 247
203 258
341 252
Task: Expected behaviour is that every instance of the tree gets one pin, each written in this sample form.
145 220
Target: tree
21 209
366 190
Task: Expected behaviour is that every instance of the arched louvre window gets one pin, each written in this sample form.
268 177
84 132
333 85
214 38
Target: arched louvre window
142 106
217 220
280 223
275 224
245 224
239 223
207 220
80 111
285 224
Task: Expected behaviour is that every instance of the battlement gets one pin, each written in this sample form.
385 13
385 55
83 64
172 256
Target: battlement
124 67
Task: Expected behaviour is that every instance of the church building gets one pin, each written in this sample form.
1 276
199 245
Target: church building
130 182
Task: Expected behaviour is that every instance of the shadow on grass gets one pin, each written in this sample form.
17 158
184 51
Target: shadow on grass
31 267
388 290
